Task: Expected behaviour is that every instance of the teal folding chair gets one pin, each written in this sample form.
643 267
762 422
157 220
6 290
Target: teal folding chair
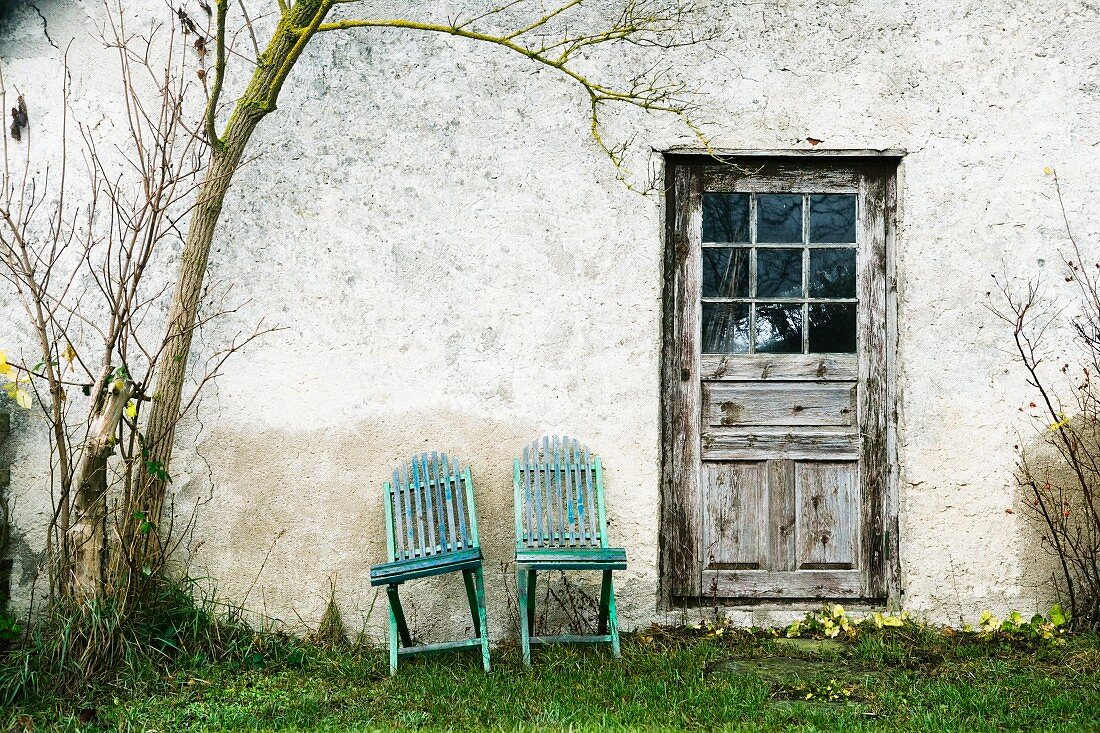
431 529
561 524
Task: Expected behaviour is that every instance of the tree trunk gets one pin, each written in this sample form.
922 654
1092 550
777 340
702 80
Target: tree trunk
147 496
140 551
87 537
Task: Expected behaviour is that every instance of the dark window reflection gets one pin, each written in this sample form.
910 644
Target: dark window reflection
778 328
833 217
779 217
725 217
832 273
779 273
833 328
725 272
725 328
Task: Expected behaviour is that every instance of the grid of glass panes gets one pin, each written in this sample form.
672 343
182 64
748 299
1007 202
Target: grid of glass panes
779 273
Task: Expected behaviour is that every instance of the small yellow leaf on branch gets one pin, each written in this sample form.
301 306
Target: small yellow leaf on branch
69 354
131 409
23 399
1060 424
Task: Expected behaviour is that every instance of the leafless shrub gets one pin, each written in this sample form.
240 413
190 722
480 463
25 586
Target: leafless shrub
79 236
1060 473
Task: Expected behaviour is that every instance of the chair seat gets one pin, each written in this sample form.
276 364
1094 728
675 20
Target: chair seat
399 571
571 558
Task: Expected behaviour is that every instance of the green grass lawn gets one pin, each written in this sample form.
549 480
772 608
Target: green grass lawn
664 681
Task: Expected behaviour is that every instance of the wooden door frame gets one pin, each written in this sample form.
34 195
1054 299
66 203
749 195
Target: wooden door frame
680 495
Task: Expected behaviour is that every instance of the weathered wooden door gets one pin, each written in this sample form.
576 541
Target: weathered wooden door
776 380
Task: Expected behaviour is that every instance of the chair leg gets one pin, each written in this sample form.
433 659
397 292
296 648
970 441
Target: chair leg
483 625
609 618
397 626
524 622
605 601
393 642
471 596
399 615
614 617
531 600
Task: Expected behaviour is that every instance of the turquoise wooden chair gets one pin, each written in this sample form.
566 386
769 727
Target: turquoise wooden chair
561 525
431 529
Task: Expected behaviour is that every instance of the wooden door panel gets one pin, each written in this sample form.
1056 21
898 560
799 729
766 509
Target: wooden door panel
782 528
753 367
755 585
781 443
735 526
768 404
828 514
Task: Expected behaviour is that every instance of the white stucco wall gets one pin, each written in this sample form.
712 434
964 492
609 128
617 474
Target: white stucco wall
457 268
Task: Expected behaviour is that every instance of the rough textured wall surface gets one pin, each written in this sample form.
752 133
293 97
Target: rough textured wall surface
457 268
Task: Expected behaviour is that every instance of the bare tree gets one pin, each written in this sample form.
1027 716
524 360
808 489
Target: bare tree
558 35
110 374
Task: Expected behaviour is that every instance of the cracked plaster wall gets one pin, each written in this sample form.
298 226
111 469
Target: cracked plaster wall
457 268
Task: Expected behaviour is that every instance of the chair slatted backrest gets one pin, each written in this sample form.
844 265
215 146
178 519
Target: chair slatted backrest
559 495
430 508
